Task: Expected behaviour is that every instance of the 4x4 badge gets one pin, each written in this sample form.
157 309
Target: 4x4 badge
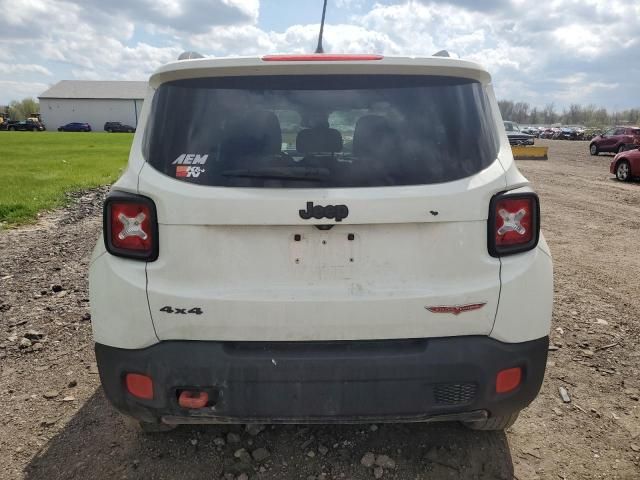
456 309
330 211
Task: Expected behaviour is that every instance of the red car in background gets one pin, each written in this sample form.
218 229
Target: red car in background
614 140
626 165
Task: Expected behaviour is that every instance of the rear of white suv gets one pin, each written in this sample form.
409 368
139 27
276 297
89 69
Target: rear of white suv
319 239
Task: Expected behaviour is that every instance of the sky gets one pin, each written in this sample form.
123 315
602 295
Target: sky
541 52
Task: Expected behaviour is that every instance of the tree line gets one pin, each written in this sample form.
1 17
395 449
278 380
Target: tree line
587 115
21 110
520 112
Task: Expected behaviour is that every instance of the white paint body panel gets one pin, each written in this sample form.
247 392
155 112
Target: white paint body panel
258 283
526 298
232 253
119 308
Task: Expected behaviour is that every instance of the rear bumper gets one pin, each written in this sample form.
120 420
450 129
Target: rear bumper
307 382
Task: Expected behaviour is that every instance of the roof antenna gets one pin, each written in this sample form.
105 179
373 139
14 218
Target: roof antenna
319 48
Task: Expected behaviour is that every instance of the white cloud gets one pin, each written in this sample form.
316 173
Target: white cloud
533 51
251 40
336 38
14 68
177 15
22 89
585 40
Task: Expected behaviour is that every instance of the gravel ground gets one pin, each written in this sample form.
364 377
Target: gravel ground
56 423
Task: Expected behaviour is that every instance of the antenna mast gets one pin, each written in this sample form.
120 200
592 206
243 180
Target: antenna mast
319 48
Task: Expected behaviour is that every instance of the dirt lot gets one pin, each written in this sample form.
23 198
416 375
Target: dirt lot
56 424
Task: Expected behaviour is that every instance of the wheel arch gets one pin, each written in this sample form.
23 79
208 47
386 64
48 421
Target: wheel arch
618 162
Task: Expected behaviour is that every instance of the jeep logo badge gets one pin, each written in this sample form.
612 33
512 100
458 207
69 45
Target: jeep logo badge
330 211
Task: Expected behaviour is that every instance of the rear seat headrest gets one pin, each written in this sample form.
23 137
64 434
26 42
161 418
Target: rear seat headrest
371 133
256 132
319 139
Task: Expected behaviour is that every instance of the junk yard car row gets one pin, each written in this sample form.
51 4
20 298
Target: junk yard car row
621 134
611 140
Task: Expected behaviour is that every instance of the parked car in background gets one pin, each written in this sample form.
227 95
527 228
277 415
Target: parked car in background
569 133
533 131
516 136
626 165
75 127
547 133
614 140
26 126
117 127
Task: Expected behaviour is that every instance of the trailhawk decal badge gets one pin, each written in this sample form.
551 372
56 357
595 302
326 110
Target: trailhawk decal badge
456 309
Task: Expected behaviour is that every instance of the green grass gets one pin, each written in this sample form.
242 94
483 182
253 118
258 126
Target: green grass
38 168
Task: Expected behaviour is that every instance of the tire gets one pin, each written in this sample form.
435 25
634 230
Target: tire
12 129
620 148
623 171
493 423
593 149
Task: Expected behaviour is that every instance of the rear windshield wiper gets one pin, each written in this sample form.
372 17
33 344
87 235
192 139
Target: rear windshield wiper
313 174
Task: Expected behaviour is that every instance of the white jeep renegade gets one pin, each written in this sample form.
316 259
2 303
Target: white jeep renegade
321 238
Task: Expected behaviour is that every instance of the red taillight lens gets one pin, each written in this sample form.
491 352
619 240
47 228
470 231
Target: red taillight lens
140 386
130 226
508 379
514 223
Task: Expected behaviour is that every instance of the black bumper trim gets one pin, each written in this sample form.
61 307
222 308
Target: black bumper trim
324 382
473 416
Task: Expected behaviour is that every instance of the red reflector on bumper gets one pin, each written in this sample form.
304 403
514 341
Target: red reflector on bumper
140 386
192 399
508 379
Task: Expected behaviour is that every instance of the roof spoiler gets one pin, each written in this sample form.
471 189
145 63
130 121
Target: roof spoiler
441 53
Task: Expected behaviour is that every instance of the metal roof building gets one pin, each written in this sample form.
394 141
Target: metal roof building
93 102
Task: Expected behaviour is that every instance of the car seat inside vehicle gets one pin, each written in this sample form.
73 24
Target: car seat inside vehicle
318 140
376 146
255 134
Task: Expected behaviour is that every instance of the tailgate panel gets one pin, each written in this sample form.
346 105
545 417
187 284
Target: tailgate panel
260 283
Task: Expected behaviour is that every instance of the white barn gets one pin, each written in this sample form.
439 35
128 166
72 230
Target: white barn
93 102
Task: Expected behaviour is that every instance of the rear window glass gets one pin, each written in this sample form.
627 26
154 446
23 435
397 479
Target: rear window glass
326 131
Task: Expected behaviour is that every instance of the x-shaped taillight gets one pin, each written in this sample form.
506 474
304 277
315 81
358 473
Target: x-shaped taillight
512 221
132 226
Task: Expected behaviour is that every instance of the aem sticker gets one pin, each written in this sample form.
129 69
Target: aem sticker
191 159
